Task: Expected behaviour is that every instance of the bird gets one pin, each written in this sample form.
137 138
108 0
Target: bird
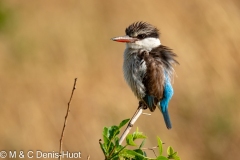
148 67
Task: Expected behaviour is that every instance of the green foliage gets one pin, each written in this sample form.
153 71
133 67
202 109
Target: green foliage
114 151
172 154
159 145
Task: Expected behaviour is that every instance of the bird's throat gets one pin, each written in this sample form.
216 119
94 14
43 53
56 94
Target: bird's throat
147 44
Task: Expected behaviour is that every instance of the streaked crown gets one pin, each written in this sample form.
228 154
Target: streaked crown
142 30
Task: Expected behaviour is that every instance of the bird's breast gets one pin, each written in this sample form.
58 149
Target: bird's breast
134 69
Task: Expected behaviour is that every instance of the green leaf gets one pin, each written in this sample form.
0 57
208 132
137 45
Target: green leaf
162 158
172 154
129 140
105 132
113 131
127 154
116 157
103 148
110 148
118 151
139 151
116 141
119 148
138 135
170 151
159 146
106 140
176 158
141 145
123 123
142 153
132 154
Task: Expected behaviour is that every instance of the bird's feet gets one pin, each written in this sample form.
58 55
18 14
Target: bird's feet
142 105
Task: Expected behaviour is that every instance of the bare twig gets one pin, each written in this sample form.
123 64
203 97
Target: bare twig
66 116
152 149
132 121
149 148
88 157
147 114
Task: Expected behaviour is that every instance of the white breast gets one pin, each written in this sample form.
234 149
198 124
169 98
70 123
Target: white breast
134 70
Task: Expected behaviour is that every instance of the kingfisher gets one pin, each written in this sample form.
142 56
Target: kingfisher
148 67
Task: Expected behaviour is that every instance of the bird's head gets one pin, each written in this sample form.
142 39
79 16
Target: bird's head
140 35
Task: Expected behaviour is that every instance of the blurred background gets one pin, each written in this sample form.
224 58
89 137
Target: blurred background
44 45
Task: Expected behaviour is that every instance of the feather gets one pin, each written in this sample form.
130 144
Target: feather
166 56
154 77
167 120
142 30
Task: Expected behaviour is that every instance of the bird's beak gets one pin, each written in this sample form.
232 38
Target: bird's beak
125 39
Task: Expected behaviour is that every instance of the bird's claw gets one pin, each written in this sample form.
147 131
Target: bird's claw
142 105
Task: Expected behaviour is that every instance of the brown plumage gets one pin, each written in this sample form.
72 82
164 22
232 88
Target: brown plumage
156 60
166 56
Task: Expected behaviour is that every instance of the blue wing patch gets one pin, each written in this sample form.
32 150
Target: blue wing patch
167 95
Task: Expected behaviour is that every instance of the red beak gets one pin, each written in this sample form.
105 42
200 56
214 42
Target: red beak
125 39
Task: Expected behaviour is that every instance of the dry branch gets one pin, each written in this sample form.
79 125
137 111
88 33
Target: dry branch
88 157
65 120
132 121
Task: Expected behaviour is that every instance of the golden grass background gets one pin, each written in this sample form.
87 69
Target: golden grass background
44 45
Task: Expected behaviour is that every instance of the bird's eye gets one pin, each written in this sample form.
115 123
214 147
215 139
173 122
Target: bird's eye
141 36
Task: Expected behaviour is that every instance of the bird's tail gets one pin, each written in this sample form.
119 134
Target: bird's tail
167 119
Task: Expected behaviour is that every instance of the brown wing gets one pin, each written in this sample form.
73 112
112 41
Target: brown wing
158 61
154 78
166 56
